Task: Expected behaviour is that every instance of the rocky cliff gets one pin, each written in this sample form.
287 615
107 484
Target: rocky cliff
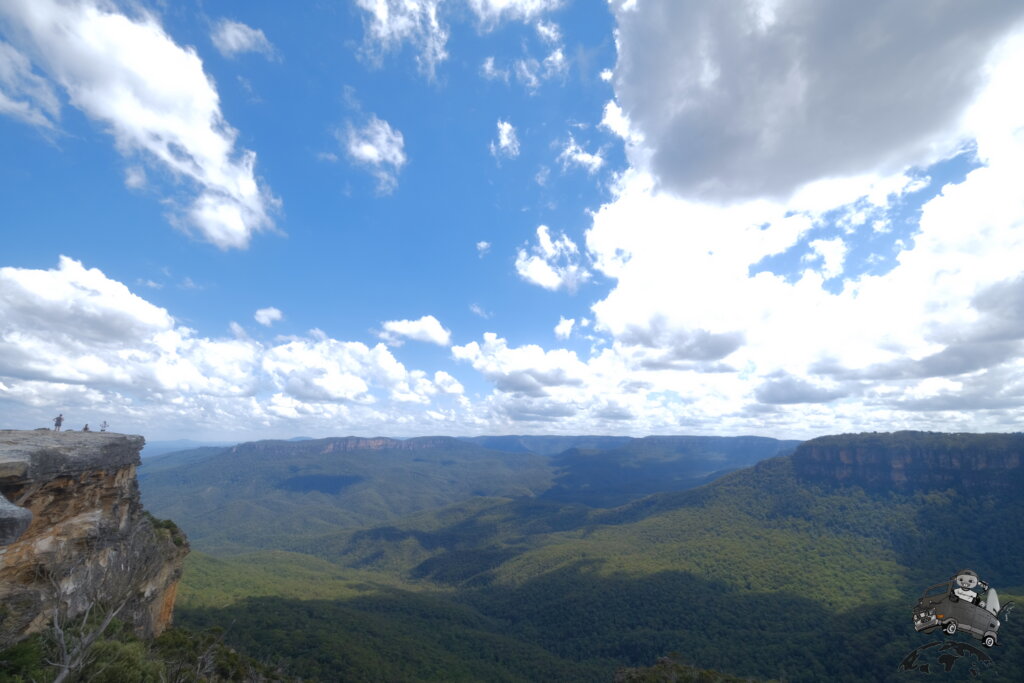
74 535
975 463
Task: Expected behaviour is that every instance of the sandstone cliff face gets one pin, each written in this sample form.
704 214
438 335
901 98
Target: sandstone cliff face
977 463
73 533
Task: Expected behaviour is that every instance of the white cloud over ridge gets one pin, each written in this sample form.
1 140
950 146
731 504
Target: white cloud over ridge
913 346
156 100
73 337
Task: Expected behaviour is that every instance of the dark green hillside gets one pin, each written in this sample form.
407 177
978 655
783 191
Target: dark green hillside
259 495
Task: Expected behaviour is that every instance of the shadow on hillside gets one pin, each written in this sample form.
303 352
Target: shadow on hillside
577 624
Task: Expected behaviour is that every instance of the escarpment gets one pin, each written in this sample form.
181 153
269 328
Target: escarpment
975 463
74 536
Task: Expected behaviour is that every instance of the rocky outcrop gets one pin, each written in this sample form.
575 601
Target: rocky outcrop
975 463
74 535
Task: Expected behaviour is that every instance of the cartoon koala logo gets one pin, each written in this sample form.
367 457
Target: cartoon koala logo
966 580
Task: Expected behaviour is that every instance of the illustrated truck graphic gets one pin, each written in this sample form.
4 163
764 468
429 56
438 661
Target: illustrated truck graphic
949 606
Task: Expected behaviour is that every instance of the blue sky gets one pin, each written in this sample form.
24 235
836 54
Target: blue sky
232 220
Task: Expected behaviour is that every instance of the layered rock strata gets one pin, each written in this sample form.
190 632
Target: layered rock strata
74 536
977 463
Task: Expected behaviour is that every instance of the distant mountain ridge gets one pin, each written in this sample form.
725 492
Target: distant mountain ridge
268 490
909 460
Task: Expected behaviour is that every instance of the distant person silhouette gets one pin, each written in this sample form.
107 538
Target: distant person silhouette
103 426
86 427
57 422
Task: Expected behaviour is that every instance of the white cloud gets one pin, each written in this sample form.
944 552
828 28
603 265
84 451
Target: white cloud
564 327
447 383
482 248
478 310
380 148
390 23
531 72
73 337
549 32
155 99
552 263
832 253
491 12
507 143
233 38
615 121
491 72
23 94
933 342
606 75
135 177
732 105
426 329
574 155
527 370
268 316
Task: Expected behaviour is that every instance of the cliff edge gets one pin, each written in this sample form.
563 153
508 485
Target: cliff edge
74 535
975 463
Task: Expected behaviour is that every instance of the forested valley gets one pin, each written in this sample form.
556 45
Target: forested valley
454 560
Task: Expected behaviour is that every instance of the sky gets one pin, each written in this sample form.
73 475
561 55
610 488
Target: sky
787 218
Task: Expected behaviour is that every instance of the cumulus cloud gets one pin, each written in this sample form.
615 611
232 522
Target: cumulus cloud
426 329
114 68
380 148
390 23
507 144
735 101
233 38
482 248
787 390
527 370
72 336
930 341
564 327
268 316
615 121
552 263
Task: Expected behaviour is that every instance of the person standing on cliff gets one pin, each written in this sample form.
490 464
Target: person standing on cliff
57 422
